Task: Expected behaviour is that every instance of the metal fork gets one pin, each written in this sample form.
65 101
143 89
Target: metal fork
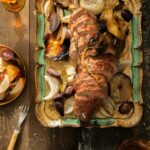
22 117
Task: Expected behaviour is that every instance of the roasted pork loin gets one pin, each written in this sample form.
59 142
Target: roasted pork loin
95 66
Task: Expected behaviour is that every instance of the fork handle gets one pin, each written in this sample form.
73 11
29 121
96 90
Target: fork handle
13 140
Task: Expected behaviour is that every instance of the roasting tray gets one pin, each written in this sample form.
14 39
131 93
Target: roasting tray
134 71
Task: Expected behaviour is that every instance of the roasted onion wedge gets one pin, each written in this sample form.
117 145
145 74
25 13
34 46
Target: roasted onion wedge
47 117
68 105
4 84
94 6
50 110
54 86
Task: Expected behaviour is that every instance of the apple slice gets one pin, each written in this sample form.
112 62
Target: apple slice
2 96
4 84
18 87
2 68
70 70
54 86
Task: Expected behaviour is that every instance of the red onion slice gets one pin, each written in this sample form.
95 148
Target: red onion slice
6 54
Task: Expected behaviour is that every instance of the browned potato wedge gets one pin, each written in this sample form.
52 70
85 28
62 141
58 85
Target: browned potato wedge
12 72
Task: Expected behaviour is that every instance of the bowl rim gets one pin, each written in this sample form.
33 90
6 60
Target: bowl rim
133 142
24 67
6 5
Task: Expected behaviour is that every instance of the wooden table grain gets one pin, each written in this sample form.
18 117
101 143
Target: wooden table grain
14 32
17 30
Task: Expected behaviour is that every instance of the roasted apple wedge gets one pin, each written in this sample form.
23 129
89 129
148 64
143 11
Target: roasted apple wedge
121 88
18 87
115 23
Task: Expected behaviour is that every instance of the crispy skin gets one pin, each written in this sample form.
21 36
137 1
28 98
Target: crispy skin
93 72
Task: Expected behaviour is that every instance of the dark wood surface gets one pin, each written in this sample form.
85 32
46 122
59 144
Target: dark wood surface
36 137
14 32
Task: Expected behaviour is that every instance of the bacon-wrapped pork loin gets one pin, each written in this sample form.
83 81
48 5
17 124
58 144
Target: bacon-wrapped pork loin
96 65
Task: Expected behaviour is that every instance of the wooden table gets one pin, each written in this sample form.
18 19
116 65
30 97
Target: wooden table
34 136
14 32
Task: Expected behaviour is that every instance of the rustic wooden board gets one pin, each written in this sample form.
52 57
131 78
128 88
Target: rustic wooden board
14 32
34 136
